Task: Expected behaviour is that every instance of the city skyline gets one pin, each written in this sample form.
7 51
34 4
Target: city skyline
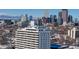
37 12
39 29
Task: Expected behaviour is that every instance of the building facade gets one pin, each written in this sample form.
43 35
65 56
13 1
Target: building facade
65 16
32 38
26 38
44 39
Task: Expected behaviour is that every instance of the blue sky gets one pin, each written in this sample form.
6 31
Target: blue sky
36 12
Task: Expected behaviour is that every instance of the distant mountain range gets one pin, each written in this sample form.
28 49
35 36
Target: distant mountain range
4 17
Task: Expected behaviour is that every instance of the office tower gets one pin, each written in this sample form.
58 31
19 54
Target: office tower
44 19
51 18
40 22
44 38
32 38
48 20
76 21
70 19
24 21
65 16
26 16
23 18
55 19
36 22
30 18
60 20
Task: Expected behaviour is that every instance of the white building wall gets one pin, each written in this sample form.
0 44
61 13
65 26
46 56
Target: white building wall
74 33
27 38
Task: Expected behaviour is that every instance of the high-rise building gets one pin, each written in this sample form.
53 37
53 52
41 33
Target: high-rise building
39 22
51 18
76 22
70 18
48 20
26 38
44 38
65 16
55 18
23 18
24 22
60 20
32 38
30 18
44 19
26 17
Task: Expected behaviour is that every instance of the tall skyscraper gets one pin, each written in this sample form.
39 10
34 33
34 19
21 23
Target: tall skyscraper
44 19
23 18
40 23
26 16
70 18
24 22
30 18
55 18
76 20
65 15
60 20
51 18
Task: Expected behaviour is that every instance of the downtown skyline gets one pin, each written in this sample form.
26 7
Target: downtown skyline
37 12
